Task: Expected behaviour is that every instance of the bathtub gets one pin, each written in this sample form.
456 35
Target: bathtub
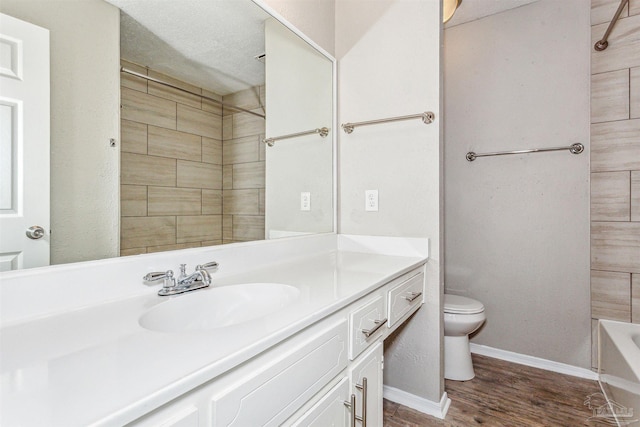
619 371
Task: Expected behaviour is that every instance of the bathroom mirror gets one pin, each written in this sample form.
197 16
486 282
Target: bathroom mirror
158 163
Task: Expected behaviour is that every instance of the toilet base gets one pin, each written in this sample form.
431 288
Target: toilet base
457 359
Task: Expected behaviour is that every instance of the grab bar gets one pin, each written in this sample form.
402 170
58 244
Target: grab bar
324 131
603 43
427 117
576 148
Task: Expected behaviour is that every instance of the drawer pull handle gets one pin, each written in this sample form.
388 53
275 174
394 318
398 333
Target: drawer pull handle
412 296
352 405
379 323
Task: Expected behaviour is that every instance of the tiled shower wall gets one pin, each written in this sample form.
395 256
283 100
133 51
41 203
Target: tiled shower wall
244 167
171 166
615 166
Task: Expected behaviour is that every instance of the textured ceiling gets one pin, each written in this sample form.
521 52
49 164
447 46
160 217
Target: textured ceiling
471 10
208 43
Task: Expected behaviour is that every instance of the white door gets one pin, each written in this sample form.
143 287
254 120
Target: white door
24 144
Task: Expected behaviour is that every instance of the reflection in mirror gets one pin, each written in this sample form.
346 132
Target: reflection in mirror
193 172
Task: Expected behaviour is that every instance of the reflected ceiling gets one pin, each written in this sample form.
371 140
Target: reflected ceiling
208 43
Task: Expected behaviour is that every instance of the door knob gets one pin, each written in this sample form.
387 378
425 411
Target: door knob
35 232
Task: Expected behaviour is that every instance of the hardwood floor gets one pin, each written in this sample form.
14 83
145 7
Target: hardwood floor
506 394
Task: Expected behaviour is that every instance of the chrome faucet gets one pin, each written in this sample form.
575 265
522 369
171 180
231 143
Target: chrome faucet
184 283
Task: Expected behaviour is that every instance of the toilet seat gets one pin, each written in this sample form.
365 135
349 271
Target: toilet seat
455 304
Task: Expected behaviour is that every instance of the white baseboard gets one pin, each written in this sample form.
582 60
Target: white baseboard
532 361
429 407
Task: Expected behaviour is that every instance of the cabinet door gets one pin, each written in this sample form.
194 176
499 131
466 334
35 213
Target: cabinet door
368 366
330 411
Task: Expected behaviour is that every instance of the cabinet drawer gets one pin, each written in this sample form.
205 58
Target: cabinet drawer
366 324
405 297
273 393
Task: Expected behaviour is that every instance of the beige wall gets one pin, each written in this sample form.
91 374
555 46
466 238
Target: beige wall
171 170
244 167
517 227
315 18
85 53
389 65
615 166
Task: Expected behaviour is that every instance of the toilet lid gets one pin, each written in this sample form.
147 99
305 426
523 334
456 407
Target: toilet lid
456 304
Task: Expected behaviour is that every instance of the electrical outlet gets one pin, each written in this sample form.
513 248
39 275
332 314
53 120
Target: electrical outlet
371 200
305 201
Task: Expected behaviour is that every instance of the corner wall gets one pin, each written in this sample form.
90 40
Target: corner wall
517 227
389 65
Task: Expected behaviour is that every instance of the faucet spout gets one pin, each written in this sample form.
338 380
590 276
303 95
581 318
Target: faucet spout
201 275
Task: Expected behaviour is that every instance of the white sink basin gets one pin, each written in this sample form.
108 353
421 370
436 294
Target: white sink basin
218 307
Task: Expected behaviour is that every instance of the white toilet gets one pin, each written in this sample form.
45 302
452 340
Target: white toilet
462 316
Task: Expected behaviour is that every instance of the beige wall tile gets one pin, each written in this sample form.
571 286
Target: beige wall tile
175 247
193 120
174 201
139 169
623 51
247 124
173 94
133 251
594 343
635 298
130 81
199 175
227 227
149 109
635 91
248 99
615 146
212 106
227 128
136 232
262 202
634 7
175 82
174 144
241 150
211 150
199 228
611 295
247 228
249 175
610 196
262 148
241 202
211 243
615 246
610 96
635 196
227 177
133 200
603 10
211 202
133 137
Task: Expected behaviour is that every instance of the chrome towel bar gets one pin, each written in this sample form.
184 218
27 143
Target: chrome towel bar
603 43
576 148
427 117
324 131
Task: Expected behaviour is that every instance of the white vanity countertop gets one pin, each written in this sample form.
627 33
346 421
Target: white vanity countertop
97 366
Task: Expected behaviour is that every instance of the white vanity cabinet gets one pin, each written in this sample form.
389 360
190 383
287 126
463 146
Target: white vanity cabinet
314 378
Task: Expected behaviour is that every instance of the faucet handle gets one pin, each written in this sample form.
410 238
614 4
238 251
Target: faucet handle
167 276
208 266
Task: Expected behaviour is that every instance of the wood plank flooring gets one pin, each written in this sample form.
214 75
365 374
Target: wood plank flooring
506 394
